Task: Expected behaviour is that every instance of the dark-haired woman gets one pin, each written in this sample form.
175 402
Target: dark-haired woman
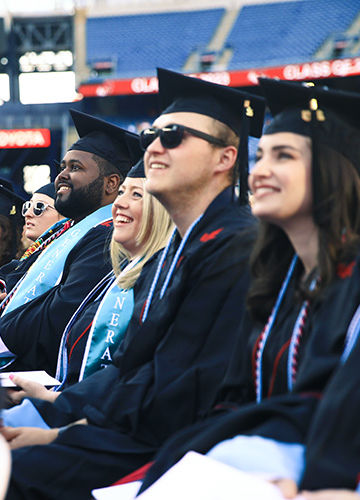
305 287
42 221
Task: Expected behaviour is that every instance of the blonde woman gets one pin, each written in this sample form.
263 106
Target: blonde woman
141 228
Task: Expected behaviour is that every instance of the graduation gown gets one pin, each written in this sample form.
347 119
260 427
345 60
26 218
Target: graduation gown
282 415
33 330
77 335
14 270
168 369
333 442
76 342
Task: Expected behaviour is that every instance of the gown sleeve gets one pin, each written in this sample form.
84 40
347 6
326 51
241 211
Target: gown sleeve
33 331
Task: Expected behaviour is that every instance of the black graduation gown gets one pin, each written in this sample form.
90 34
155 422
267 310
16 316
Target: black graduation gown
33 330
76 342
78 335
14 270
282 415
333 442
168 368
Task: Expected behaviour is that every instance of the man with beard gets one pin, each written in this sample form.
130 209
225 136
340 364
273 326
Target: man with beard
189 301
37 309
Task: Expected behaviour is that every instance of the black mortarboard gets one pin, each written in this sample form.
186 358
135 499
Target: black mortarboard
332 117
10 207
137 170
178 93
242 112
48 189
10 202
115 144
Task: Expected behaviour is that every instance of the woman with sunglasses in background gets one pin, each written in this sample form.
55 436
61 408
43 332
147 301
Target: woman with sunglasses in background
42 220
39 212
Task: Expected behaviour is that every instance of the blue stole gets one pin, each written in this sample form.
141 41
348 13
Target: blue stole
46 272
107 330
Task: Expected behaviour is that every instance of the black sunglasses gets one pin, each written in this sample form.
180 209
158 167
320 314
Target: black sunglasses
38 207
172 135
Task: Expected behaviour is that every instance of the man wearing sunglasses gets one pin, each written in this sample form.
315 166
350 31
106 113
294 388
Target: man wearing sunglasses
72 257
189 305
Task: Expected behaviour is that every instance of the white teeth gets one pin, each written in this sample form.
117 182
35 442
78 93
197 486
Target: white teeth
121 218
262 190
62 189
158 166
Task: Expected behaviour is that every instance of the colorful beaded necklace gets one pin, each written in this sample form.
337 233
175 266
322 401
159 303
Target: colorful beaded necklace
46 238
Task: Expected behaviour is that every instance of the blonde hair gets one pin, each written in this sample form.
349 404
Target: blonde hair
155 230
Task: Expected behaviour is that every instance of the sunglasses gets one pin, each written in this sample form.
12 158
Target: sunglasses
38 207
172 135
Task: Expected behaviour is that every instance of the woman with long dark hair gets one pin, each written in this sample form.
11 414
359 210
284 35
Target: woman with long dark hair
305 286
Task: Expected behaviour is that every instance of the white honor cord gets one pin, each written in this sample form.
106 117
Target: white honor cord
171 270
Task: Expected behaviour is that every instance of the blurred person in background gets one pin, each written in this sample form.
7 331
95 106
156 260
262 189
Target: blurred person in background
11 222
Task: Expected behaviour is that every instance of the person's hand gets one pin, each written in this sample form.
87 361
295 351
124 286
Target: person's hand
29 389
17 437
2 296
330 495
287 487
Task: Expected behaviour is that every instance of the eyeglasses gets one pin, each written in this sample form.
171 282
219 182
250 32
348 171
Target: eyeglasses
38 207
172 135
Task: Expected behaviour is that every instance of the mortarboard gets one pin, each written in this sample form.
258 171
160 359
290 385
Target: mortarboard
137 170
178 92
10 207
332 117
242 112
48 189
115 144
10 202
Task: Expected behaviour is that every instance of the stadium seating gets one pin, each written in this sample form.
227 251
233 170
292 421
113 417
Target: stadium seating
139 43
286 32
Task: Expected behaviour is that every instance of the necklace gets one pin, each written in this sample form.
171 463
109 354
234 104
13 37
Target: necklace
44 240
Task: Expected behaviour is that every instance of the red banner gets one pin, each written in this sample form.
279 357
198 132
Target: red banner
25 138
242 78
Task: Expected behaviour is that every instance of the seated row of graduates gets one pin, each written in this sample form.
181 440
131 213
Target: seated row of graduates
188 315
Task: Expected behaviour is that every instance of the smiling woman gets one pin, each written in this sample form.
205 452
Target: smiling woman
40 212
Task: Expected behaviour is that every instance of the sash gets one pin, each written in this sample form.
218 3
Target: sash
46 272
107 330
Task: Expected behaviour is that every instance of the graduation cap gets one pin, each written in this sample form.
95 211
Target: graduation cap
48 189
10 207
10 202
110 142
242 112
331 117
137 170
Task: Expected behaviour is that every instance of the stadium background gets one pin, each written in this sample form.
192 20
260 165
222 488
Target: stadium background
103 55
